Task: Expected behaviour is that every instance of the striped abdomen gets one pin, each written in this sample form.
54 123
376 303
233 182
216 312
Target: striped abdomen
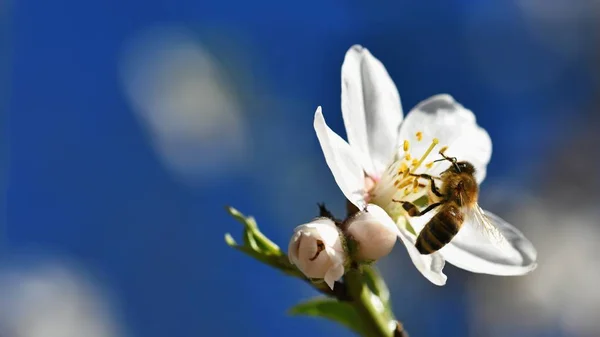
440 229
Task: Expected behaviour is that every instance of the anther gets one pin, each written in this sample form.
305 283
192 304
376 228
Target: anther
403 168
414 162
407 156
404 184
444 149
406 146
419 135
429 165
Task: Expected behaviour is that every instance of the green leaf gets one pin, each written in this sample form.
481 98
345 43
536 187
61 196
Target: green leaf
250 241
376 283
278 261
229 240
252 235
368 304
237 215
341 312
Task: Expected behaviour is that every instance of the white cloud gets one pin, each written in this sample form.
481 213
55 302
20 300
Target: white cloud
179 93
49 299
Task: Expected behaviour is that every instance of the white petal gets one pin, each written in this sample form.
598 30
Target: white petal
293 247
335 255
454 126
342 161
429 265
382 216
323 228
333 274
371 109
470 251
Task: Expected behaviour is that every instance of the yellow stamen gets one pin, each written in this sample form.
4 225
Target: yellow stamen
419 135
433 144
403 168
406 191
414 162
405 183
406 145
407 156
415 185
429 165
444 149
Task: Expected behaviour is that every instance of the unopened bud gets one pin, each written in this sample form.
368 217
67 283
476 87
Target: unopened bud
317 250
373 232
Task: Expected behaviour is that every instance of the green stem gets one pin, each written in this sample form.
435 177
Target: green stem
376 322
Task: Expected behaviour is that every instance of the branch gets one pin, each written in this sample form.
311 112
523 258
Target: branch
363 289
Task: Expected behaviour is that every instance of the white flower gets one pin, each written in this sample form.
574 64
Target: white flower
317 250
373 166
373 233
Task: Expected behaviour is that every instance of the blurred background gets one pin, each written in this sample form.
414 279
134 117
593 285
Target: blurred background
128 125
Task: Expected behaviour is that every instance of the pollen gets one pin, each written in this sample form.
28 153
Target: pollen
406 146
407 156
415 183
419 135
444 149
414 162
429 165
407 191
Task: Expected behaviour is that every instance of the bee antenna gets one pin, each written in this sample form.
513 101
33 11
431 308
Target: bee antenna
455 163
456 166
452 160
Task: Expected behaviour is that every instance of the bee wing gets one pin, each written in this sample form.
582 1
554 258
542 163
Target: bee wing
485 226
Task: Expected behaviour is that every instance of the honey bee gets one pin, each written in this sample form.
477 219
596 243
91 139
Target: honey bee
457 202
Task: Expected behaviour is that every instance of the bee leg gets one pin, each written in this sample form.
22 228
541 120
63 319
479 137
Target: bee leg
426 176
434 188
413 211
429 208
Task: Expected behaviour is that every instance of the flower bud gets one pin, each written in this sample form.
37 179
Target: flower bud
317 250
373 232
